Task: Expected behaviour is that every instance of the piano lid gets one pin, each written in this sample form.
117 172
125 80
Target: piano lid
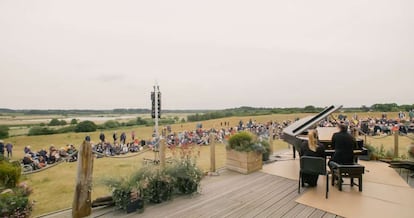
304 124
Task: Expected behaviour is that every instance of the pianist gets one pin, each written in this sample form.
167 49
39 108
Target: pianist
311 147
343 143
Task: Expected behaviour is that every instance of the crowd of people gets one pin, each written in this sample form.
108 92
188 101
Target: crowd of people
201 136
374 125
42 158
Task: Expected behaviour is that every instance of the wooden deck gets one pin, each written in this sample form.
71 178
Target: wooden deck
232 195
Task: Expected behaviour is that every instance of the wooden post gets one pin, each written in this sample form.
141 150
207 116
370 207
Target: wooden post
212 153
396 133
162 153
82 203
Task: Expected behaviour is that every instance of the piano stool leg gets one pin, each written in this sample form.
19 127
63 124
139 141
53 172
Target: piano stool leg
340 181
352 181
360 183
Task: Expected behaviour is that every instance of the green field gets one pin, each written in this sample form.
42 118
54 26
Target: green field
53 188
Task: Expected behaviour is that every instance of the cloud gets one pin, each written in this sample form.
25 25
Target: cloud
108 78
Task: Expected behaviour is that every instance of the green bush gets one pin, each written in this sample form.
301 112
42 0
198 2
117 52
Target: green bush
85 126
54 122
157 188
4 132
10 173
38 130
66 129
131 123
140 121
266 150
111 124
154 185
242 141
121 191
73 121
15 203
187 175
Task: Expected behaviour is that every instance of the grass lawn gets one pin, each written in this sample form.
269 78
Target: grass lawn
54 187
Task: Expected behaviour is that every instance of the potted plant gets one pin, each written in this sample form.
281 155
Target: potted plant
125 194
187 175
14 197
370 153
244 153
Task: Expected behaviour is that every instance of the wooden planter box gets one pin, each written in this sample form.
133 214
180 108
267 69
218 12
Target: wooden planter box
243 162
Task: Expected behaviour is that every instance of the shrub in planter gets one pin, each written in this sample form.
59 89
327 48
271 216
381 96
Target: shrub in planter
15 202
266 150
187 175
10 173
242 141
121 192
371 153
157 187
244 153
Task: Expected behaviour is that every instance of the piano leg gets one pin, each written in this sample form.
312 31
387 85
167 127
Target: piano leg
294 152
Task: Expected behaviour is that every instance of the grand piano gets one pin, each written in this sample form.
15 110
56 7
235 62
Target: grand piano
297 132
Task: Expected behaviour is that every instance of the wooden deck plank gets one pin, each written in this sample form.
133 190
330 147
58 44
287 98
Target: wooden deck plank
259 199
238 197
329 215
225 187
279 203
252 200
208 198
317 214
295 211
271 201
235 195
306 212
284 205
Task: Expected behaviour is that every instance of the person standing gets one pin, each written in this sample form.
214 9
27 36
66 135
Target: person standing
9 148
102 137
133 135
123 138
115 137
1 148
411 115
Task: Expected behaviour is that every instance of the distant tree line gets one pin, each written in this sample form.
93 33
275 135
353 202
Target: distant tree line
93 112
89 126
251 111
199 115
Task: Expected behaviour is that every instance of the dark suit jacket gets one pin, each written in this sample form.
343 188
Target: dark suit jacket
343 143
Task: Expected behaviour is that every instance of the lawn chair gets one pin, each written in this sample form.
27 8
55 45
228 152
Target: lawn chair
315 166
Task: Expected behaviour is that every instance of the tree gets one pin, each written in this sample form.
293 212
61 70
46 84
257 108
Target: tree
365 108
309 109
73 121
140 121
38 130
110 124
54 122
85 126
4 132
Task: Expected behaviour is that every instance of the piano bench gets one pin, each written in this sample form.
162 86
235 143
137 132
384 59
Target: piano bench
351 171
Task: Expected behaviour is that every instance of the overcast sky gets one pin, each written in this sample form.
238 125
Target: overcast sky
211 54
